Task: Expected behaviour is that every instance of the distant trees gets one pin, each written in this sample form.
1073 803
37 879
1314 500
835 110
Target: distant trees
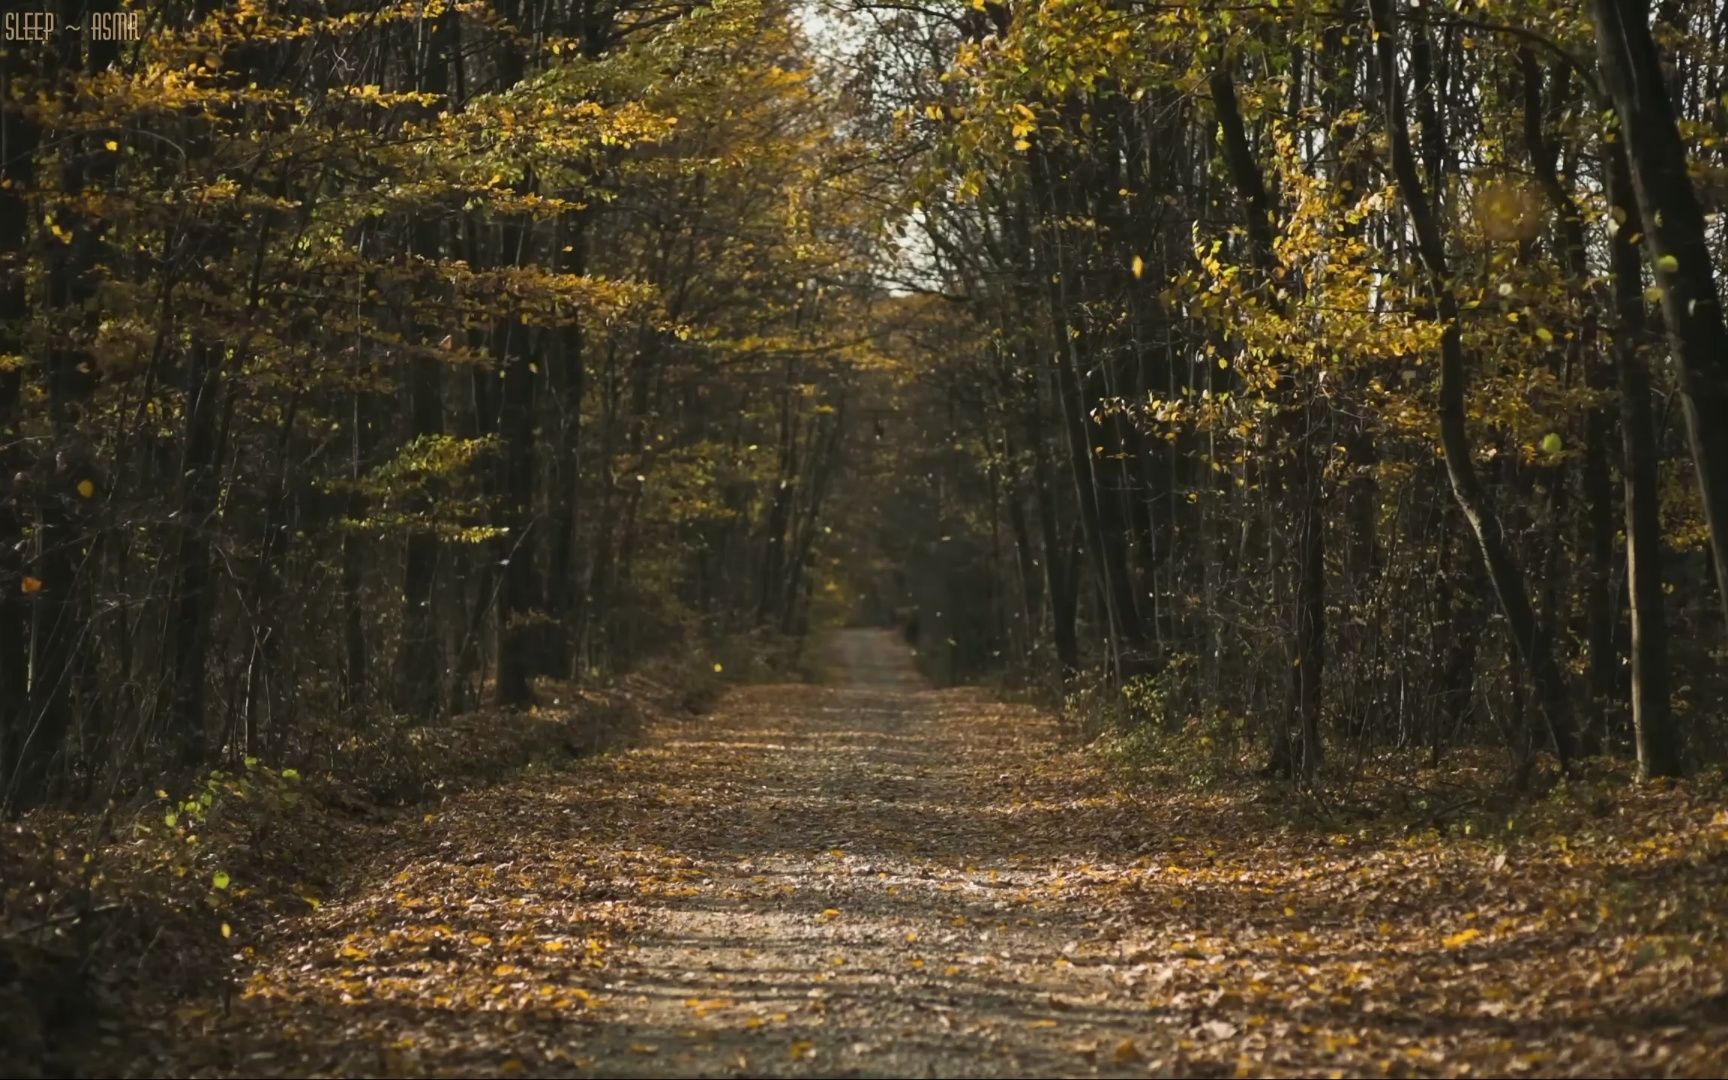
1324 325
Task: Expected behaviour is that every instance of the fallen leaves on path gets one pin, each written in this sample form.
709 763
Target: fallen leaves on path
879 879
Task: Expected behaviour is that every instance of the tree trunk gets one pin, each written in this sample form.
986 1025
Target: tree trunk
184 731
1655 733
567 367
516 594
356 657
517 599
1678 248
1060 559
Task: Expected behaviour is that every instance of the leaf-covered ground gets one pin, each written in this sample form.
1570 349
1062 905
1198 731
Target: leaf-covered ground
876 879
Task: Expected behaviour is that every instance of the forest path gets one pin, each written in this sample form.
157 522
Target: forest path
875 878
868 905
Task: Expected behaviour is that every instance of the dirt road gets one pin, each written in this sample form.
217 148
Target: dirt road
872 878
867 896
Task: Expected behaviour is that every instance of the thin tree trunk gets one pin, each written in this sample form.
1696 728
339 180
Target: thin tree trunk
356 656
562 592
516 595
1655 732
184 731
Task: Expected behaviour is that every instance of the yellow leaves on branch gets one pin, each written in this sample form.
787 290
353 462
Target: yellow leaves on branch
547 298
539 127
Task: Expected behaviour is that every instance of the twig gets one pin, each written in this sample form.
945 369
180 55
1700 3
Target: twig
55 920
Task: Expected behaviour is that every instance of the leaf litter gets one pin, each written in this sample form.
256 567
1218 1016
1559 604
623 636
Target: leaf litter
879 879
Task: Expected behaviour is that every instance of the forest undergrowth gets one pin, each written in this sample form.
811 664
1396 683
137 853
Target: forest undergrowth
108 911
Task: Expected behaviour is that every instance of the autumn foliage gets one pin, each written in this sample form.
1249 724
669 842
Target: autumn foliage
1312 413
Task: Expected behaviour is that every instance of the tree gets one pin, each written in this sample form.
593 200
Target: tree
1678 249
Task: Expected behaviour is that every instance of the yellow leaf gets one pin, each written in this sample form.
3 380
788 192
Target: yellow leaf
1545 334
113 147
1668 264
86 489
1138 266
227 930
803 1048
830 913
1126 1052
479 939
1462 938
30 584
